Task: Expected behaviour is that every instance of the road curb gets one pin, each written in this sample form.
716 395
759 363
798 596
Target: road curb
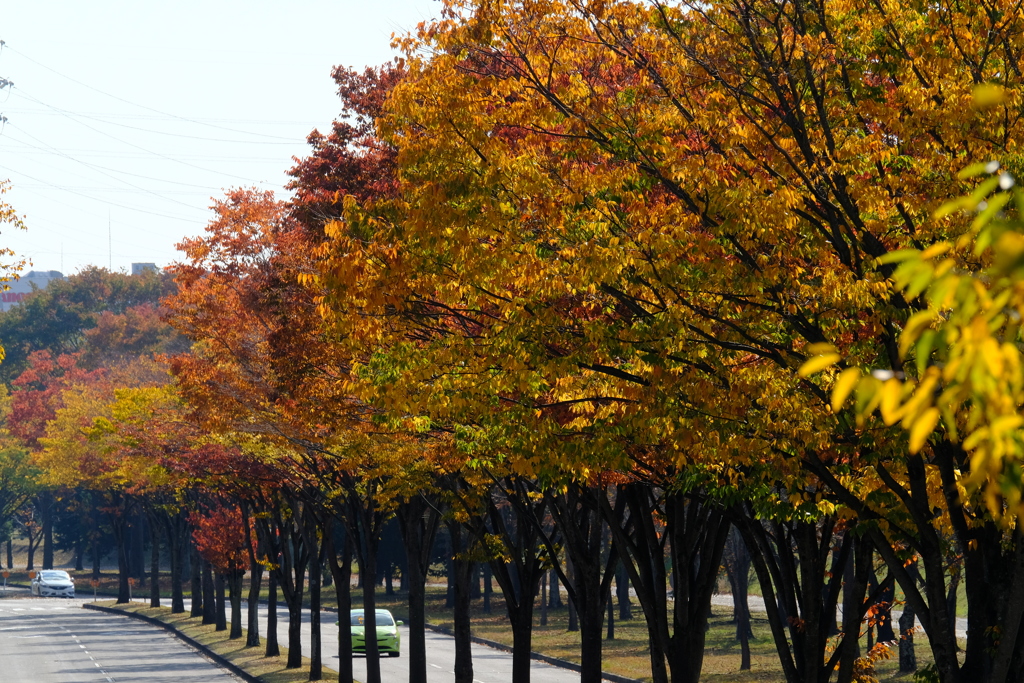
221 661
560 663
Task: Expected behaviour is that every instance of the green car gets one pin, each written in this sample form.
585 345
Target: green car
387 632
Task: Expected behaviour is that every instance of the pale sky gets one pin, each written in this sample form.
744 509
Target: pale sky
135 113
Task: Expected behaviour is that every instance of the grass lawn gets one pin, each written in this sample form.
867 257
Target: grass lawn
627 654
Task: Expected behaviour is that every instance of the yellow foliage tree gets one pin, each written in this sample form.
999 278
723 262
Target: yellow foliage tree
626 224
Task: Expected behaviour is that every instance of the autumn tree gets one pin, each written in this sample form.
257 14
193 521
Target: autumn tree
221 539
645 214
263 368
56 318
957 396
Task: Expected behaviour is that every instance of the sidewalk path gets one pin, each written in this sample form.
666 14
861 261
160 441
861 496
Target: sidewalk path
756 604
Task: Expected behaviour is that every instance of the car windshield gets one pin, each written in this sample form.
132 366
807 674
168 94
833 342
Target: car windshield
382 619
54 576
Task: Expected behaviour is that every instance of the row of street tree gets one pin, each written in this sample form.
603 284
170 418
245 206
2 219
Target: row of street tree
590 284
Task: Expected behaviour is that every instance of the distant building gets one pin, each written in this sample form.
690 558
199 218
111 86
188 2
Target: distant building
139 268
25 285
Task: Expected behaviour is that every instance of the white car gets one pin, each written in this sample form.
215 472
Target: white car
53 583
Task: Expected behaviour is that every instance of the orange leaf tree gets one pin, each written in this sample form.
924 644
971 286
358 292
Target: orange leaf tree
646 214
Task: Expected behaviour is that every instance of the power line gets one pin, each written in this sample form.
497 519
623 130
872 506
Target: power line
142 106
112 177
69 113
103 115
53 150
95 199
157 154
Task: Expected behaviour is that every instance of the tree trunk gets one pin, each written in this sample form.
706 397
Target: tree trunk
273 649
610 634
449 573
252 636
80 553
521 522
857 571
175 546
124 591
522 644
543 602
136 558
474 582
462 568
316 663
577 511
235 587
736 559
368 569
554 591
791 562
209 595
281 534
418 522
252 604
294 602
908 658
488 588
154 565
47 502
886 632
96 559
222 613
197 584
622 593
574 619
32 536
341 571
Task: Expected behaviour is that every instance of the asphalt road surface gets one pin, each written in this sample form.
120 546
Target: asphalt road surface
54 640
489 665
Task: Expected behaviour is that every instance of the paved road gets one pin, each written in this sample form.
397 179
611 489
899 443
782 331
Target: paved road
53 640
489 665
